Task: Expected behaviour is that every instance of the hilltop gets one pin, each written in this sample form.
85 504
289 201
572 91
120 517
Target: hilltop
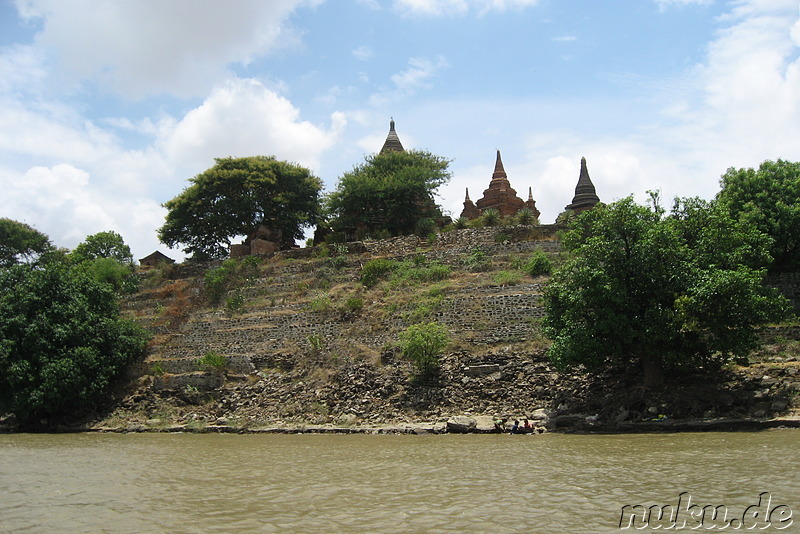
296 341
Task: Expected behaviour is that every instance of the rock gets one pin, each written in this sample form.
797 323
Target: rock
481 370
779 405
540 415
759 413
461 424
725 399
484 423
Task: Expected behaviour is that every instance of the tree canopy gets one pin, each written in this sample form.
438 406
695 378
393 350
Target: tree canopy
103 245
62 343
659 292
388 192
234 198
21 243
769 199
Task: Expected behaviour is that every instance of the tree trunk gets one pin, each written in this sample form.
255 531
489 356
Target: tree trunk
653 371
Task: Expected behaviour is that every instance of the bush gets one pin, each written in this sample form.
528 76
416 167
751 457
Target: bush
235 303
354 304
477 261
490 217
320 303
413 272
526 217
461 223
213 361
422 344
218 280
62 342
539 264
425 227
507 278
375 270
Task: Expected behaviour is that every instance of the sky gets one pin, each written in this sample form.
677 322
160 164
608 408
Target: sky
107 109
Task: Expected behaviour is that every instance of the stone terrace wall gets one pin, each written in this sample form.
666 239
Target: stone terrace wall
275 328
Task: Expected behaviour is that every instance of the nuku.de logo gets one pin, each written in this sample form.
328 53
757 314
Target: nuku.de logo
685 515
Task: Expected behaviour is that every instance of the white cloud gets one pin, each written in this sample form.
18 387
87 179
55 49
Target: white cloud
142 48
458 7
363 53
68 207
244 118
664 4
565 39
418 73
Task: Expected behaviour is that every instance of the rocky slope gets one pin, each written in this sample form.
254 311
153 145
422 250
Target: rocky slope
308 347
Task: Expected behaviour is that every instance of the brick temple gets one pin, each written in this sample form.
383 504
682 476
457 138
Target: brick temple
500 196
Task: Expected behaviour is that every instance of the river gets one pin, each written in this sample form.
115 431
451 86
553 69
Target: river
381 483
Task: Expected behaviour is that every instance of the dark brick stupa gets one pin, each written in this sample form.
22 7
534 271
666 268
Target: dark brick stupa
585 195
392 143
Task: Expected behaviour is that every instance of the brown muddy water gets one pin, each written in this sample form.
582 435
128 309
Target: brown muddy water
357 483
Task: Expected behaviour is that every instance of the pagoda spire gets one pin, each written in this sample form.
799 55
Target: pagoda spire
392 143
499 171
466 199
585 194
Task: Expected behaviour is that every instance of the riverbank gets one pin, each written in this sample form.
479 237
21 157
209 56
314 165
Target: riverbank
508 383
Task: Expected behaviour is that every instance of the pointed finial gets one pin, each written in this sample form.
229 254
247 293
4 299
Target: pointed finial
467 198
530 193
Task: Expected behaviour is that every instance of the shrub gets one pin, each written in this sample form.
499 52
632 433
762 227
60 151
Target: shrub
539 264
525 216
354 304
422 344
218 280
213 361
490 217
235 303
320 303
375 270
461 223
477 261
425 227
413 272
507 278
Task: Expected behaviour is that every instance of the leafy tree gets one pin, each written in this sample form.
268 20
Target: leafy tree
103 245
234 198
390 191
62 343
107 259
769 199
682 291
21 243
423 344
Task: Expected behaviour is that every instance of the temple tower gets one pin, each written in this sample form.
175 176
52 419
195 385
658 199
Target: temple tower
392 143
500 196
585 195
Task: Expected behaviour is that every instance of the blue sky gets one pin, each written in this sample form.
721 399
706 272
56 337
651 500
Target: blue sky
107 109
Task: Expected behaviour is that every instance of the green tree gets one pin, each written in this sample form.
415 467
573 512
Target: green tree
62 342
103 245
21 243
769 199
107 259
390 191
641 289
234 198
423 344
